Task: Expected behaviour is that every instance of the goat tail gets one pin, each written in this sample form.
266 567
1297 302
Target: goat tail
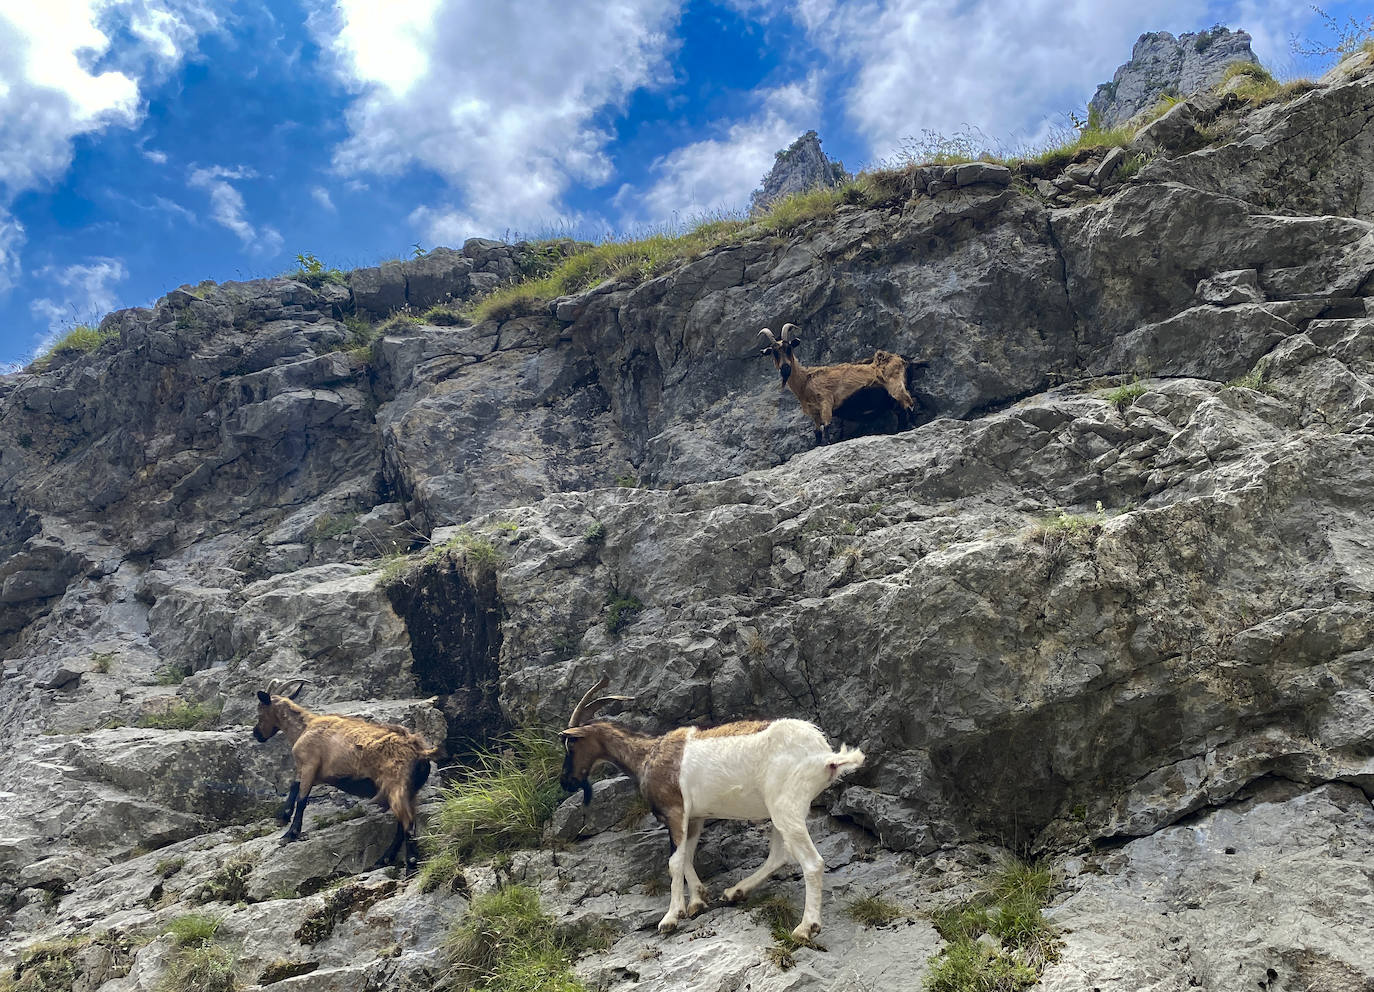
843 761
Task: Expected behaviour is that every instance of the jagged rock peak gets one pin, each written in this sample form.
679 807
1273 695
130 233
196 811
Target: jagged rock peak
798 167
1161 64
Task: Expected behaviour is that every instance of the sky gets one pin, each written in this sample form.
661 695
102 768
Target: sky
145 144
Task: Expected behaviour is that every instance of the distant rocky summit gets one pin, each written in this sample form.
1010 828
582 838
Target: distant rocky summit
1162 65
798 167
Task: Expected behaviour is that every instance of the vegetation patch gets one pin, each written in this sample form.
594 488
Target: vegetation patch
1257 84
193 930
81 339
444 315
230 883
872 911
182 716
168 867
501 803
48 966
103 661
173 674
1256 379
1125 394
281 969
339 904
329 526
506 943
595 534
1009 908
200 969
621 612
311 271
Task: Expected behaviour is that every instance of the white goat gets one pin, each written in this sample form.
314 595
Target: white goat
751 770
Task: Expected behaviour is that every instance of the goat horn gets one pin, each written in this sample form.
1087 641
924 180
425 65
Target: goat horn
766 333
588 706
276 687
793 328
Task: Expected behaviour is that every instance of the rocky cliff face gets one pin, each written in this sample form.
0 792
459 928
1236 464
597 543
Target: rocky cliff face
1161 64
798 167
1111 601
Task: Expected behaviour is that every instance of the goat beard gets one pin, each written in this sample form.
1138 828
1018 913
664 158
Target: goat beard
784 372
586 792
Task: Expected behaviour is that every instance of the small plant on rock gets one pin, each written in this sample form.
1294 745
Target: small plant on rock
621 611
873 911
501 804
182 716
505 942
1124 395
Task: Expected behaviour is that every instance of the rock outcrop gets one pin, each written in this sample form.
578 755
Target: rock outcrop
1110 602
1162 65
798 167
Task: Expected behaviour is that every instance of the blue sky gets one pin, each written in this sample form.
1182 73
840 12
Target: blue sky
149 143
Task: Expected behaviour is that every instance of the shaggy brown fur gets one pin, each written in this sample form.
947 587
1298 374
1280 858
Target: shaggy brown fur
373 760
823 390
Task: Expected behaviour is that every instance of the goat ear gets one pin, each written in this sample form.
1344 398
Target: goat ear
794 342
264 698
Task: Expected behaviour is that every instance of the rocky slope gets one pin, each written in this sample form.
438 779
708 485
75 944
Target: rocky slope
1112 601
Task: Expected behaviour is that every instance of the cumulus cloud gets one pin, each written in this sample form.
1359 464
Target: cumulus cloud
11 241
77 293
227 207
512 123
1007 67
51 91
719 173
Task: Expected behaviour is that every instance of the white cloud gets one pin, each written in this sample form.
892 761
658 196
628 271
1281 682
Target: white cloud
81 293
51 92
11 241
322 197
515 120
1006 67
719 173
228 209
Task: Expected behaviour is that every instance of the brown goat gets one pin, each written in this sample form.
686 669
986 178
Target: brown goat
382 761
825 390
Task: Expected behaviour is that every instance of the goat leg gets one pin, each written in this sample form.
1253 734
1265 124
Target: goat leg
306 783
289 806
390 854
696 891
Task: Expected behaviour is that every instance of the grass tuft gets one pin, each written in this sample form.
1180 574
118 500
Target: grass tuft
200 969
621 612
48 966
81 339
506 943
502 803
182 716
872 911
1126 394
1009 908
194 930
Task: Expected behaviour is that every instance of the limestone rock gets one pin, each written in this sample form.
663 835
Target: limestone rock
798 167
1161 64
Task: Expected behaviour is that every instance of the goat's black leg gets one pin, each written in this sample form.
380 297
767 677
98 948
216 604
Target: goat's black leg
287 807
390 854
293 832
820 437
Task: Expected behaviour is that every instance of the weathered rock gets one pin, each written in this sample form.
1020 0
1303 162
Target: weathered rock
1161 64
799 167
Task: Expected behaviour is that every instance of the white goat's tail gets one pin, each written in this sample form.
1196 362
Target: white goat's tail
843 761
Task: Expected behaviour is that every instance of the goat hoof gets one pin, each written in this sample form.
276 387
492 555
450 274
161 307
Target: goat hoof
695 906
805 931
666 925
291 836
734 895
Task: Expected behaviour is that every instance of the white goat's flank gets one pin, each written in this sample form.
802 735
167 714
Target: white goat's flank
736 778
